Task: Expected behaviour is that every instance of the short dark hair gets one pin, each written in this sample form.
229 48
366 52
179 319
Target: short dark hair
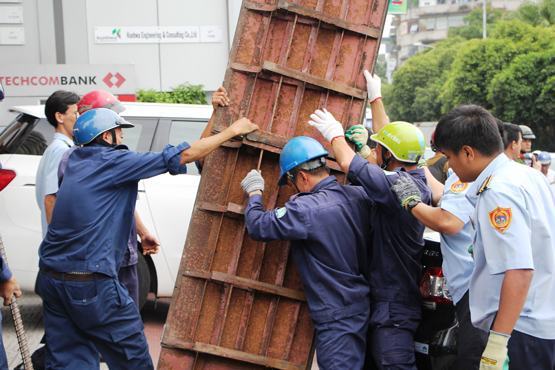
469 125
58 102
511 133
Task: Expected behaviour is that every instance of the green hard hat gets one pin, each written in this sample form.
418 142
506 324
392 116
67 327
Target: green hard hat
404 140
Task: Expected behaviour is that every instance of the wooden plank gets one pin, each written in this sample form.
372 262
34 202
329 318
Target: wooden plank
211 349
314 14
325 84
247 284
232 208
238 303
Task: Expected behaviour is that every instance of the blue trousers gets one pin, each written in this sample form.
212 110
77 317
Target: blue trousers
527 352
341 341
82 318
471 341
129 278
392 328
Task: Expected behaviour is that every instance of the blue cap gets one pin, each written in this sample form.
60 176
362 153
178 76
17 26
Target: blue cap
544 158
297 151
94 122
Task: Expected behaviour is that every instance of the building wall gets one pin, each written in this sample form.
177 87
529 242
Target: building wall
62 31
429 23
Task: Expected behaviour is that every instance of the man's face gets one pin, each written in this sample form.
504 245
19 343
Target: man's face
68 119
462 163
515 148
119 136
526 145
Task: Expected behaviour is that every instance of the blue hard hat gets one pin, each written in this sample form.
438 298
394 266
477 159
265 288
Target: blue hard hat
94 122
544 158
298 150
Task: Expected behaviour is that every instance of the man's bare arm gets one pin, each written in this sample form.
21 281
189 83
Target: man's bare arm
201 148
49 203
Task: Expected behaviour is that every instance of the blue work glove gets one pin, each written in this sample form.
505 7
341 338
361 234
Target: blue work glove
253 182
406 191
495 355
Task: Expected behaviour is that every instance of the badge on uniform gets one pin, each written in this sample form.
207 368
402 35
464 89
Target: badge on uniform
500 219
459 186
280 212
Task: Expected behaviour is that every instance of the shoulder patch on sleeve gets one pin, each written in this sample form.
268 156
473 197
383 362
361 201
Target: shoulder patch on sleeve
280 212
500 219
458 186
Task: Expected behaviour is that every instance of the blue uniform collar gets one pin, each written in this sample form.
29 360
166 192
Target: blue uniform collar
322 184
417 171
483 179
96 145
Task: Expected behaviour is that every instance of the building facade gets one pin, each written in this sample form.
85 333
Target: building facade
159 43
429 21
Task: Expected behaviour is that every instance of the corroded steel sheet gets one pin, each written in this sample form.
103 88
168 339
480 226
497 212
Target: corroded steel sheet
238 303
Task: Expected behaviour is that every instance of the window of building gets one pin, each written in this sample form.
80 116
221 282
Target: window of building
456 20
441 23
429 24
413 28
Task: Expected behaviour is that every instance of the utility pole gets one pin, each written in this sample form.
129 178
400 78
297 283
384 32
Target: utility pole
484 18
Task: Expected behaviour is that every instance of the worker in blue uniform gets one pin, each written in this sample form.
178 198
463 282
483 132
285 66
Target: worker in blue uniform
128 271
86 309
328 226
397 242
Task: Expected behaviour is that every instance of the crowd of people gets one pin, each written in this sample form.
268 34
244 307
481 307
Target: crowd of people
358 247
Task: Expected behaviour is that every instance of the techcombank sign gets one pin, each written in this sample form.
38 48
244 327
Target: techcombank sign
26 80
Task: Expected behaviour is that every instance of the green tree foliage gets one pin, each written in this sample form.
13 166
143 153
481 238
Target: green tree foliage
542 14
476 64
183 94
473 23
414 95
512 73
525 93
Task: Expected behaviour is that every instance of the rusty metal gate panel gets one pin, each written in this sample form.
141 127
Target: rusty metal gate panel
238 303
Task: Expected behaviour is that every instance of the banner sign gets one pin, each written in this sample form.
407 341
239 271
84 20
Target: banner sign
397 7
150 35
43 79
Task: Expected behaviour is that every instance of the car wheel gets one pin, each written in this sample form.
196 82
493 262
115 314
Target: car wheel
144 280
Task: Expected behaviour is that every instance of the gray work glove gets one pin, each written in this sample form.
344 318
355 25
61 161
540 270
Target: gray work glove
407 192
253 182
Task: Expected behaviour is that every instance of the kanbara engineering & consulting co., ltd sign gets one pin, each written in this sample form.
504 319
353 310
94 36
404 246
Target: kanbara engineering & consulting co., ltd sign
44 79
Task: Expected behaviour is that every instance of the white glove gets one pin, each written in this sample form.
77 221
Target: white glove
373 85
253 181
365 151
326 123
495 354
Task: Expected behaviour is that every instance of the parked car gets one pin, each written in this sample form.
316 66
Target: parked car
165 202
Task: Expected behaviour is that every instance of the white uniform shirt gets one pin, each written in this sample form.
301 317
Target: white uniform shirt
457 261
515 229
47 173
